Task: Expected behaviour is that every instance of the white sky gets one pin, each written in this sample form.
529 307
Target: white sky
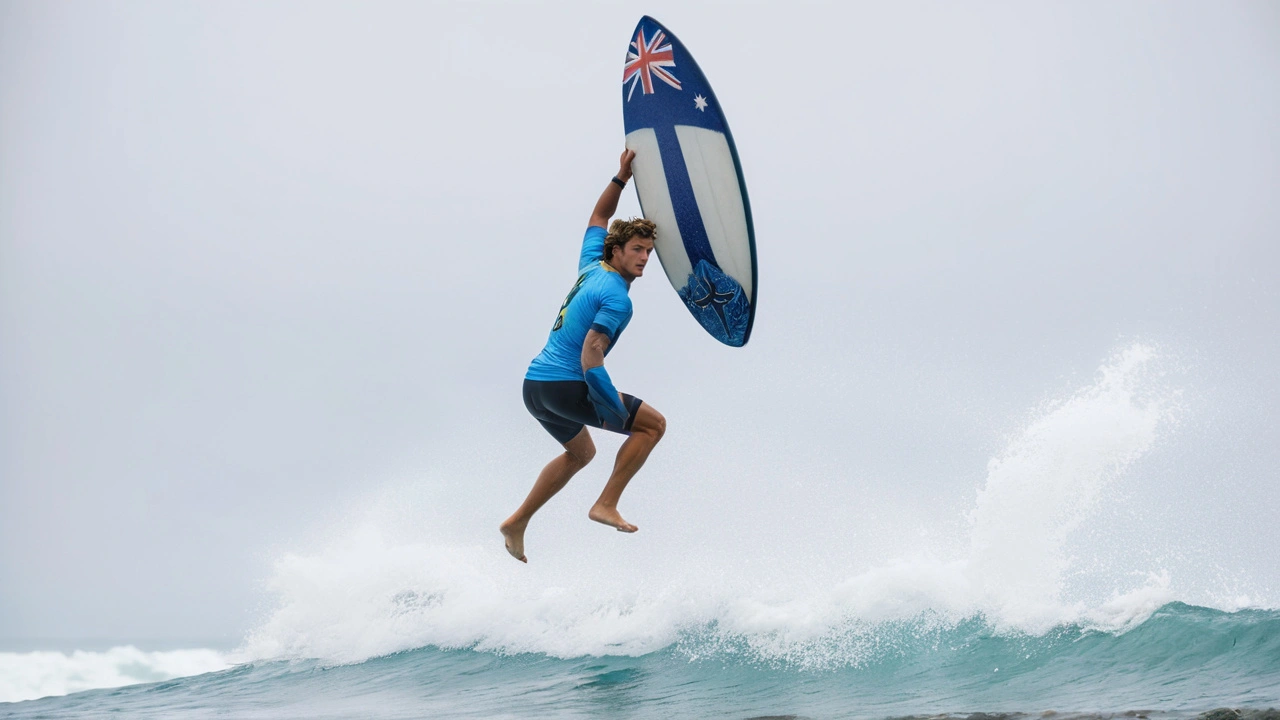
258 260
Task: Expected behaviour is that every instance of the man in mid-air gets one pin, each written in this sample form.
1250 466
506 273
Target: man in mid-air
566 387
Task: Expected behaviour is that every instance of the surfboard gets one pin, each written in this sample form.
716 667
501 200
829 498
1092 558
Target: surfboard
690 183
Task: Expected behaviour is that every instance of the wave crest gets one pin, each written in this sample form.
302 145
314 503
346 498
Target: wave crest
367 595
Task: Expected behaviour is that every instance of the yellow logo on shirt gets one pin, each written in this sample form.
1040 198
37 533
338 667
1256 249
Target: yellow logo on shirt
564 306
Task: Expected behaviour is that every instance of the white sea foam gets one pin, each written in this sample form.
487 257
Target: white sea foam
31 675
1048 480
368 593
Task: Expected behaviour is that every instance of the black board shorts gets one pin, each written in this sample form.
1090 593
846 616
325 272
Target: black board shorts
563 407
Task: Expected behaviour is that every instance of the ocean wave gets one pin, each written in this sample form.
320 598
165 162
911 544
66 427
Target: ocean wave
1176 637
998 605
366 595
1180 661
29 675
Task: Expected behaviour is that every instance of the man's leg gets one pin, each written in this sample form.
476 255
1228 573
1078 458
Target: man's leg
577 453
646 431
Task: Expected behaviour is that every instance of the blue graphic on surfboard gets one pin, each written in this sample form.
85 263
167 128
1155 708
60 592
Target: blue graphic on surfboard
690 184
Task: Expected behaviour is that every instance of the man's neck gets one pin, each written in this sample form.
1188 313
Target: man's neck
624 276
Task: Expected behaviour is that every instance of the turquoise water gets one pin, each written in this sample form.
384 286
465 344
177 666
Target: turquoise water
1181 661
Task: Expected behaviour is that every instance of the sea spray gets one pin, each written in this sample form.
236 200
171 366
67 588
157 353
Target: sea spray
369 594
1047 482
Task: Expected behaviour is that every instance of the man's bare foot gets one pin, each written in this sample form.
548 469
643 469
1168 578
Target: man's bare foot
513 532
609 516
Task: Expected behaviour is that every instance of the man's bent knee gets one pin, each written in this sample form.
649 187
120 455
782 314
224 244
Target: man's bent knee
580 449
582 456
650 422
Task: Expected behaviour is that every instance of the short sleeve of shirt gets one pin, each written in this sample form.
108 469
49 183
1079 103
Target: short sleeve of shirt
614 312
592 246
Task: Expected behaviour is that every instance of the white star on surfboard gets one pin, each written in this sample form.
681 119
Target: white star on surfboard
700 103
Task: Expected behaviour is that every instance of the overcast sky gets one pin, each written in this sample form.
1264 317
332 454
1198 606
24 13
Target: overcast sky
259 260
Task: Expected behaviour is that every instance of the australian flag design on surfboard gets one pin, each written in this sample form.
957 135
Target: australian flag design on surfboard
690 182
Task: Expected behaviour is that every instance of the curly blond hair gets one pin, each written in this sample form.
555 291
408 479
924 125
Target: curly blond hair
620 231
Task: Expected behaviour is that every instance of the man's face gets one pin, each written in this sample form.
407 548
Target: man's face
631 257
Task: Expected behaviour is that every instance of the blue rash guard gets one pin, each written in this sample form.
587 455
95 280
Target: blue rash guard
598 301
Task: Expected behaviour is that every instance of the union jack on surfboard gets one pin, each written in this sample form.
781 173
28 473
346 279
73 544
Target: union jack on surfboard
647 59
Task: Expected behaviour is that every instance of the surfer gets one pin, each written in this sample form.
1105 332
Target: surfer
567 388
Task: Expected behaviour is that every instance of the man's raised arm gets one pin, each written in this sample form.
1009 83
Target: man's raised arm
608 202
